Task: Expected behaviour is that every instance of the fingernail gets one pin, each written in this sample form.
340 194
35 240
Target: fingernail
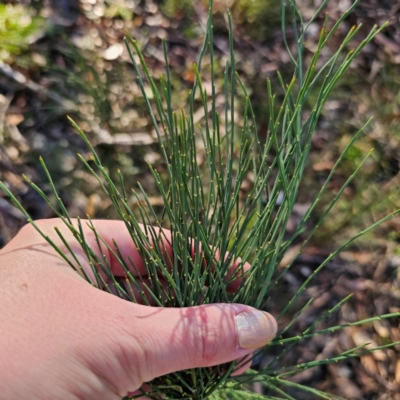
254 329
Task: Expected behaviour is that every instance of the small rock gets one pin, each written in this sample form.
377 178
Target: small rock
113 52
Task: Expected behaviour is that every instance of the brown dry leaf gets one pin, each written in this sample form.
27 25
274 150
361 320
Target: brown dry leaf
289 255
92 204
397 372
14 119
366 381
14 180
381 329
323 166
322 300
348 389
12 153
369 363
153 201
361 338
361 257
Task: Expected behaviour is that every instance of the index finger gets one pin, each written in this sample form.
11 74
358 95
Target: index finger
102 237
116 232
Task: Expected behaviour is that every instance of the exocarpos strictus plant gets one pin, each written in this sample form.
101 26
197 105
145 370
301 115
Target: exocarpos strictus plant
206 214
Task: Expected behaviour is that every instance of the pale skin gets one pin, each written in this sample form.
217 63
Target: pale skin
61 338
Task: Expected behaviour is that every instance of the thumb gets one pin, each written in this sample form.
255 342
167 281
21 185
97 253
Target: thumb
172 339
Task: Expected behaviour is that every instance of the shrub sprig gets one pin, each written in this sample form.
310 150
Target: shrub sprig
204 209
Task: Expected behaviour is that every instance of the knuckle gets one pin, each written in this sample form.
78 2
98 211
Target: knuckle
128 360
128 356
205 335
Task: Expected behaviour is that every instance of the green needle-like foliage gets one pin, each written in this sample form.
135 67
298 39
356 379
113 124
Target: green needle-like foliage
206 213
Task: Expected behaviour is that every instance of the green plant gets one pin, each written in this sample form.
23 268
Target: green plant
18 26
256 17
83 78
206 214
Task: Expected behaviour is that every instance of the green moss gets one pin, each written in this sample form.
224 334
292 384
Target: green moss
18 27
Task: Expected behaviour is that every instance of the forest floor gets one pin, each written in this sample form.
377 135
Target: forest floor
68 58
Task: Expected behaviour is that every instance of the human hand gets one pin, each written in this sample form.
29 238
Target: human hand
61 338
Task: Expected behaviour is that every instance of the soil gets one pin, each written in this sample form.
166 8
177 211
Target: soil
76 65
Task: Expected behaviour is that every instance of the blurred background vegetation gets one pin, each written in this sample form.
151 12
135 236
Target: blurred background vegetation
66 57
